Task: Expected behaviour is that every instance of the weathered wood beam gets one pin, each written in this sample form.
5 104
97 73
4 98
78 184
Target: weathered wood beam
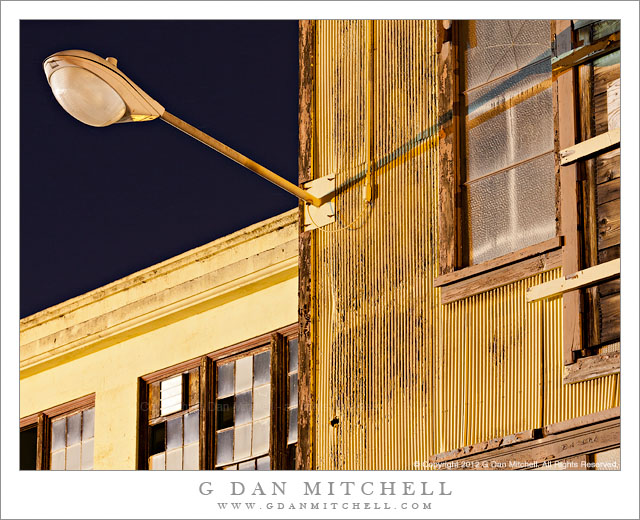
590 147
585 278
591 367
585 53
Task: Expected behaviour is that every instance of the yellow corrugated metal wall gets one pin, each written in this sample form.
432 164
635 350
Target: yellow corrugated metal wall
399 376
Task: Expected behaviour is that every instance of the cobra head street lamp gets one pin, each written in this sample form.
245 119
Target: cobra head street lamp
94 91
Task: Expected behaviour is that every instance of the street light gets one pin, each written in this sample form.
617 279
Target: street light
94 91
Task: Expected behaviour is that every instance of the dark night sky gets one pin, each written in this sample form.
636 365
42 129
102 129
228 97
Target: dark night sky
97 204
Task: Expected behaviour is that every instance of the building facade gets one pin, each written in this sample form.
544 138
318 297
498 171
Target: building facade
136 373
443 324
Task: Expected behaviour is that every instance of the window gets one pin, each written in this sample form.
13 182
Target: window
508 171
174 422
498 178
234 409
60 438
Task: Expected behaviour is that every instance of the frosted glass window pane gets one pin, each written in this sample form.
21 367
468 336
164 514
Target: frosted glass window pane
224 447
293 425
174 459
263 463
244 373
243 408
174 434
224 415
58 434
192 456
262 368
87 454
261 398
87 423
242 446
73 429
191 427
494 48
509 121
293 390
249 465
57 459
512 209
73 457
225 379
293 355
157 462
260 437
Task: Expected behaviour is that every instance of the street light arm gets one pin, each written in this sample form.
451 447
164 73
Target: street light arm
240 159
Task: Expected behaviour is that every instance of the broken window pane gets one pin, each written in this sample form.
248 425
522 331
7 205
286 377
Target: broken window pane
28 447
157 438
225 408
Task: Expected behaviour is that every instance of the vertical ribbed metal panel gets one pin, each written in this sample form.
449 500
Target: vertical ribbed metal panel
399 376
376 316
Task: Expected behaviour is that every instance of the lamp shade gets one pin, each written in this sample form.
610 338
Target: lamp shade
87 97
95 91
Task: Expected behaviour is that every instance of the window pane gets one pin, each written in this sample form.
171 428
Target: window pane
512 210
261 397
496 47
73 457
249 465
243 408
171 405
157 438
87 423
157 462
192 456
58 434
509 121
191 427
174 434
293 389
244 373
260 437
293 425
73 429
57 459
171 395
225 379
224 447
87 454
224 409
242 446
293 355
28 447
263 464
174 459
262 368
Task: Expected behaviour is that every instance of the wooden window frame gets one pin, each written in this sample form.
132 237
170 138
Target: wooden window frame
456 280
277 342
43 421
572 111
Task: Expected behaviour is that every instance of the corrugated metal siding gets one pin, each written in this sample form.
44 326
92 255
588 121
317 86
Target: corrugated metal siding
380 326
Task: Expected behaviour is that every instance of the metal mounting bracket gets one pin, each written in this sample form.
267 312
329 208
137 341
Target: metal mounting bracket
317 217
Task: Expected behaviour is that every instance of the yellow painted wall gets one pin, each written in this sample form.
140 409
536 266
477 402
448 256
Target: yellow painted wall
262 296
405 376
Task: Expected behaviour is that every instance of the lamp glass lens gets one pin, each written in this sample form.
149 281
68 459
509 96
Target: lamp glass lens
86 97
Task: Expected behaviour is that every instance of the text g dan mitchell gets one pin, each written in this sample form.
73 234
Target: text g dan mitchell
343 488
